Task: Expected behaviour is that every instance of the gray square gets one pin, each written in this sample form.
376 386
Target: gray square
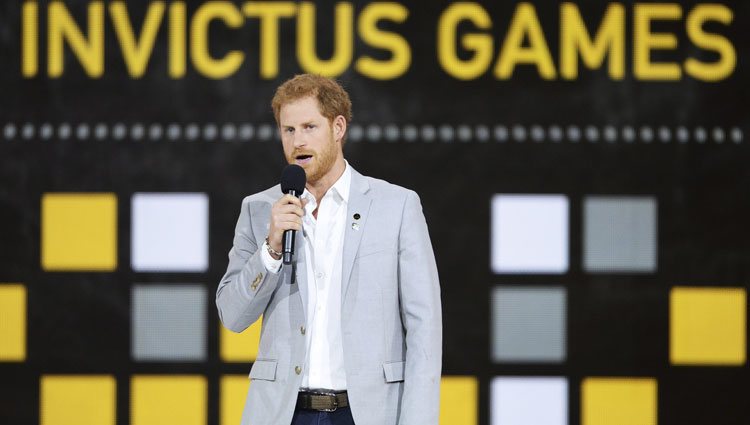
528 324
619 234
168 323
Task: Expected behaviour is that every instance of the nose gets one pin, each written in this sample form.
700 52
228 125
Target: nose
298 139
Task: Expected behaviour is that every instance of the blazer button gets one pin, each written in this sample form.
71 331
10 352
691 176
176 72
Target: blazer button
297 370
302 330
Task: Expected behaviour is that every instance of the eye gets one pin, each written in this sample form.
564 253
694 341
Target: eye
289 130
309 126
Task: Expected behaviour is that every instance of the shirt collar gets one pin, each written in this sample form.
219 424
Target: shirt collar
341 187
344 182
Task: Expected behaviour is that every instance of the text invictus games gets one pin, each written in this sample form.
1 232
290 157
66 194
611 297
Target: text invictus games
467 42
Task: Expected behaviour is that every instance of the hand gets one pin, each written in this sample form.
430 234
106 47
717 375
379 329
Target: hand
286 214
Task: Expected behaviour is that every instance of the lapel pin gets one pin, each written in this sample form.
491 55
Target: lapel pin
355 226
356 216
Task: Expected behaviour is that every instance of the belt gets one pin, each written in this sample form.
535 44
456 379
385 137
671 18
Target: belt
322 401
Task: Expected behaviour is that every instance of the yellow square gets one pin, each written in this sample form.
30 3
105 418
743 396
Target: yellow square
240 347
618 401
12 323
458 400
707 326
79 232
168 400
78 400
233 393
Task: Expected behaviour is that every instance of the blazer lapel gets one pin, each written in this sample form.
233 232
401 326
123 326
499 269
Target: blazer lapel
359 203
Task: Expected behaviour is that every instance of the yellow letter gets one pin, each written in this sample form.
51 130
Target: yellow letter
367 25
645 41
269 14
199 49
136 53
479 44
62 27
342 51
177 39
525 23
574 38
727 56
29 46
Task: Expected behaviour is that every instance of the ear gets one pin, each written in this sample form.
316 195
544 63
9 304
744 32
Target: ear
339 127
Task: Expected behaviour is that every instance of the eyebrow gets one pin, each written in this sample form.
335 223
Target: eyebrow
306 122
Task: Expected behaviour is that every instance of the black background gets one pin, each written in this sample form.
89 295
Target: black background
617 324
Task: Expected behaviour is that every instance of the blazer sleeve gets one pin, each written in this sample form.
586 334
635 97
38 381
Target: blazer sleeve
419 293
247 287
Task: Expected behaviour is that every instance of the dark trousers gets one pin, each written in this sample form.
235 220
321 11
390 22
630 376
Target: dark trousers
341 416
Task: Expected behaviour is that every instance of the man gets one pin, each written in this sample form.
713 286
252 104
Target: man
352 329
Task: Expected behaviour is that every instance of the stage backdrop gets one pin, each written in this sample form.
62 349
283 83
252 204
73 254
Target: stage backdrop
583 168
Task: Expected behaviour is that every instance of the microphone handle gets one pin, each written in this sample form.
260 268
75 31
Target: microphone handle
288 246
289 237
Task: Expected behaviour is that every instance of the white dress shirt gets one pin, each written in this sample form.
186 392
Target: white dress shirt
324 242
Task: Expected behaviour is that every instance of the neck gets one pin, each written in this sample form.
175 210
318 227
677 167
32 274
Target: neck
319 187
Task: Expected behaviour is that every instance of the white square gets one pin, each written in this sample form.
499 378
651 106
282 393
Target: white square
529 234
169 232
529 400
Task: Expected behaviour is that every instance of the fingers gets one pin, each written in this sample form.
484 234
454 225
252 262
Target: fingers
289 204
289 199
290 209
286 214
280 218
290 225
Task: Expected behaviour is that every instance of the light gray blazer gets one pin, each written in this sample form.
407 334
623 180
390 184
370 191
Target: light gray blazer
391 318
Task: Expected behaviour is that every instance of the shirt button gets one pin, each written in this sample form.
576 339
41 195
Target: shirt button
297 370
302 330
320 275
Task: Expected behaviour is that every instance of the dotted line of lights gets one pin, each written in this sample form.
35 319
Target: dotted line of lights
376 133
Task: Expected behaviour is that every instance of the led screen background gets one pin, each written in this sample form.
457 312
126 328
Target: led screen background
590 230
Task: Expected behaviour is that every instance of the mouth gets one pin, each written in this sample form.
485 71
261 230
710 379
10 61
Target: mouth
302 159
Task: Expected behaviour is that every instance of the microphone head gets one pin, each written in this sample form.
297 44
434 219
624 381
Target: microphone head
293 178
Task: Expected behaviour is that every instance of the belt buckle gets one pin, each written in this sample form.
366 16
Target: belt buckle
335 402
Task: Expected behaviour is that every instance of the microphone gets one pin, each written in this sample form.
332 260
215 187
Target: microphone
292 182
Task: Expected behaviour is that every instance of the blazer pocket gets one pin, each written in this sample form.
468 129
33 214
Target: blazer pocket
366 251
263 369
394 371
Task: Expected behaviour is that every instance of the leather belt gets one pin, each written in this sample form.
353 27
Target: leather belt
322 401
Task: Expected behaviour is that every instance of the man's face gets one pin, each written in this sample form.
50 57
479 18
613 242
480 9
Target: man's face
308 138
